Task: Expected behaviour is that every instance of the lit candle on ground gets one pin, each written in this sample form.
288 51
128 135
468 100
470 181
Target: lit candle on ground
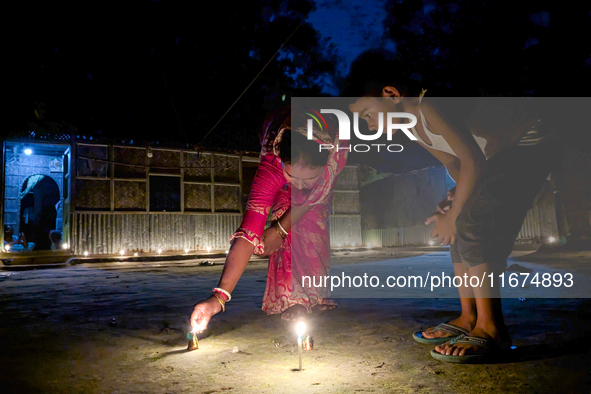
193 342
300 328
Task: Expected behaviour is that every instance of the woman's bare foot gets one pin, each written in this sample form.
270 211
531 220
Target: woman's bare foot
294 312
323 307
465 323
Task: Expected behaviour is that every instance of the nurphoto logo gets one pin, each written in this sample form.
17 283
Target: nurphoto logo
345 129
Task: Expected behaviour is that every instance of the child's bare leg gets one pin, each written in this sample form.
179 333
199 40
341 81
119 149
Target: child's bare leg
467 319
490 323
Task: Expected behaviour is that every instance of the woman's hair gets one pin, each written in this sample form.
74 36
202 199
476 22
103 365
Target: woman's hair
374 69
296 148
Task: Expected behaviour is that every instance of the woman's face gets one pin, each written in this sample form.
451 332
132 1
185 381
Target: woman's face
301 176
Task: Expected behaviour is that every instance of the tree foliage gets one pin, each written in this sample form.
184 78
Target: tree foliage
167 70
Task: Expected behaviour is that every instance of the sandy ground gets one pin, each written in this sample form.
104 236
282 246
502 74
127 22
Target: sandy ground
121 328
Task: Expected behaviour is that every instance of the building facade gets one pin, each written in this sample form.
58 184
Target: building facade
104 197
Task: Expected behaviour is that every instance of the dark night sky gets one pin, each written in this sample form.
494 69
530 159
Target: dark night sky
168 70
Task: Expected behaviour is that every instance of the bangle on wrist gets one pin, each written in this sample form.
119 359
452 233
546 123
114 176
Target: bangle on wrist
280 228
223 293
279 233
222 303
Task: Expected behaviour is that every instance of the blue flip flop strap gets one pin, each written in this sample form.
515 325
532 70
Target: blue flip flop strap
455 330
481 342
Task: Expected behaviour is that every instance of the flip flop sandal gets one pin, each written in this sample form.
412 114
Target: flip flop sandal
490 351
445 327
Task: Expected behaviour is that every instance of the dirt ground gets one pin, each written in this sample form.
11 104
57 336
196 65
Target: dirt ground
121 328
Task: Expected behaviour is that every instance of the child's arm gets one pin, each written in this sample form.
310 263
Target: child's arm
465 169
451 163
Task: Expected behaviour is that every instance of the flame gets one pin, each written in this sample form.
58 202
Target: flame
193 343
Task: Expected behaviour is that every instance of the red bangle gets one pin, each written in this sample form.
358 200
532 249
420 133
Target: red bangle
223 295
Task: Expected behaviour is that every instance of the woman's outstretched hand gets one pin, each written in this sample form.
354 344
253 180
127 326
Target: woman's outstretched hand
203 312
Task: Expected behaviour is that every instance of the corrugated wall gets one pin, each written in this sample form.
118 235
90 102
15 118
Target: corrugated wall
345 221
403 200
541 220
406 200
105 233
416 235
345 230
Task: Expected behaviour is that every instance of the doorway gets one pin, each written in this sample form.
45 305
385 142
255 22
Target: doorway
34 189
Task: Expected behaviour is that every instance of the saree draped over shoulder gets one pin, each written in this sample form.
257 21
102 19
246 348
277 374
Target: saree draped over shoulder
306 249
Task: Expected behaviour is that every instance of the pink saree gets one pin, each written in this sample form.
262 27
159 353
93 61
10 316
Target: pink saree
306 249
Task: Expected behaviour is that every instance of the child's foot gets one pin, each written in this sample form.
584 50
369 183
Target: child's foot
464 323
499 338
294 312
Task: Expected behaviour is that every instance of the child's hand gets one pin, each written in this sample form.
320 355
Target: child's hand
445 205
445 228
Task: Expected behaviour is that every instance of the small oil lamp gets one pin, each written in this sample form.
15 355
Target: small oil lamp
308 343
193 342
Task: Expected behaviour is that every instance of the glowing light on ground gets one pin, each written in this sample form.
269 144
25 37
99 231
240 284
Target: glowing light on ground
300 329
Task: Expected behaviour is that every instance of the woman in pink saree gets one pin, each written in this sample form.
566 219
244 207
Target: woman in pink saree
294 184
